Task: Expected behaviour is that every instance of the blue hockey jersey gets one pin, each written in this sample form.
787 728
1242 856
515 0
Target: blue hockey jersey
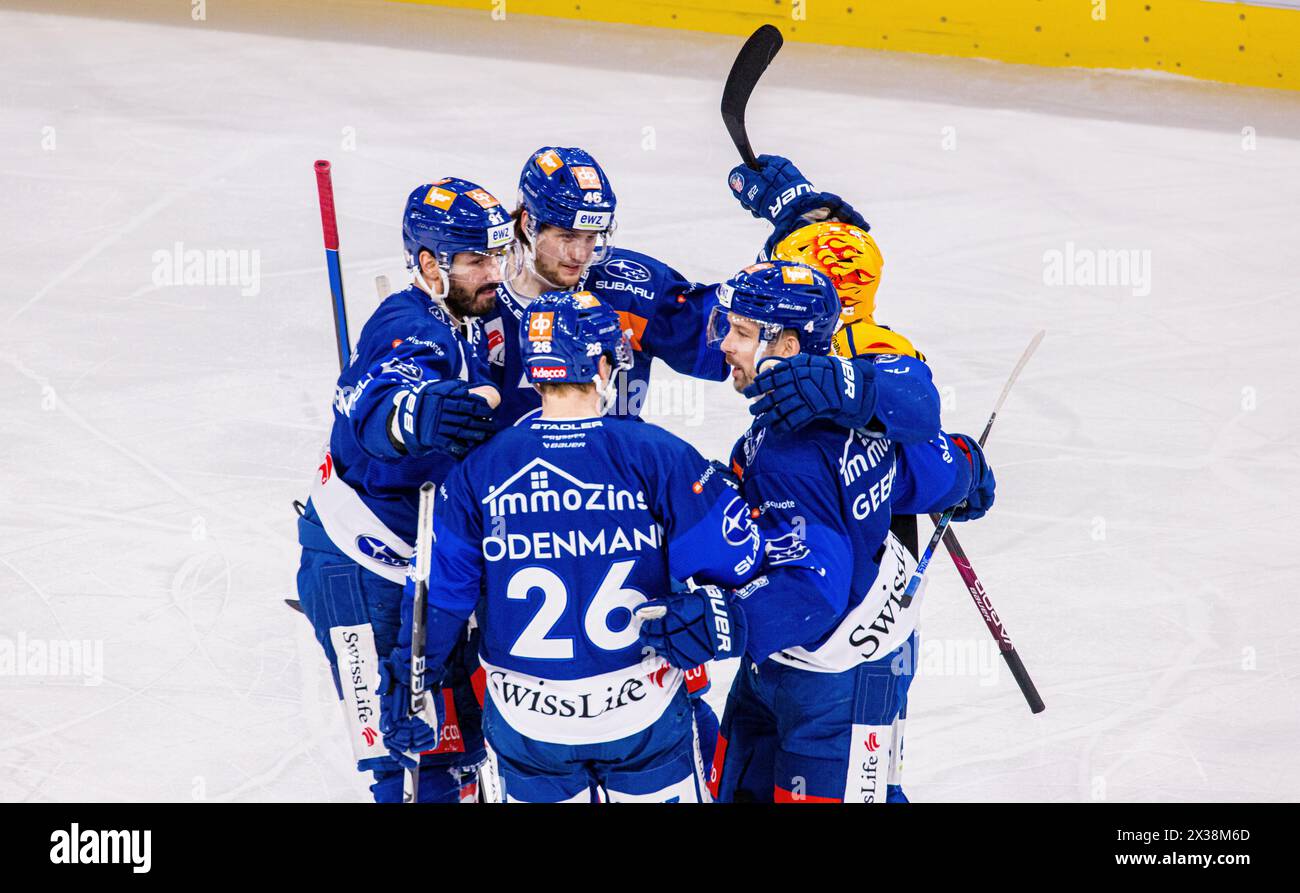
366 490
666 314
833 575
563 528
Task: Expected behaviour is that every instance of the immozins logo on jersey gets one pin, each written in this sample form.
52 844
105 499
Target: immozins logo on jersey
622 268
552 489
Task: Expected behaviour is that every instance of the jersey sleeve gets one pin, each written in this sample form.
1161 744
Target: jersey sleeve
708 531
677 333
907 403
808 561
456 566
403 367
928 477
672 315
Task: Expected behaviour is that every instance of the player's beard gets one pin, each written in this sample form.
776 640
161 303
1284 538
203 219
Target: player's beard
549 269
465 304
741 381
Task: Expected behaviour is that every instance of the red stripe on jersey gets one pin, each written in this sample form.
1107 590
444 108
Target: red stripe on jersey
715 771
781 795
478 681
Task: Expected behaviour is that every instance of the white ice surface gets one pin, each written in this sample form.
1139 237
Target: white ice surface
1142 551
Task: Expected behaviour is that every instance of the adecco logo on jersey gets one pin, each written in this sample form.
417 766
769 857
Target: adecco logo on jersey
630 270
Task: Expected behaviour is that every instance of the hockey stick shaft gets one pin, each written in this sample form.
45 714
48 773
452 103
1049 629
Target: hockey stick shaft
991 619
423 550
330 229
943 522
752 60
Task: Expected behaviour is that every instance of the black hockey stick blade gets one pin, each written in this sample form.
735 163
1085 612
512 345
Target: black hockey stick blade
752 60
295 604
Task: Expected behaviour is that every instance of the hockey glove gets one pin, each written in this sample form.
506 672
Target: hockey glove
766 191
982 484
405 734
697 626
444 418
795 391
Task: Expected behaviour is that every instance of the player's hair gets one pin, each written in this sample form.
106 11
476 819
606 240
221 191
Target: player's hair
518 217
557 388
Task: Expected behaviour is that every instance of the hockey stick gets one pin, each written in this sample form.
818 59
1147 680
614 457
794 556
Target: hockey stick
946 519
382 287
423 548
992 620
973 584
752 60
330 228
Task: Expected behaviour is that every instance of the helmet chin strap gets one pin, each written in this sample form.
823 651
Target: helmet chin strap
607 391
438 297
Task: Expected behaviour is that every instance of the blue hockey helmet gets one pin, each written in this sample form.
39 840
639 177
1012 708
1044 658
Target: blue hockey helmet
565 187
454 215
779 295
563 335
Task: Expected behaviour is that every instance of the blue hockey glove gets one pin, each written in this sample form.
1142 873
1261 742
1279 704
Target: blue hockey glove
405 734
693 627
795 391
444 417
766 191
982 484
811 207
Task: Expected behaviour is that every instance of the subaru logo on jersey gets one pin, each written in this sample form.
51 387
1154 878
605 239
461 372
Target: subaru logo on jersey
592 220
737 527
373 547
404 368
786 549
622 268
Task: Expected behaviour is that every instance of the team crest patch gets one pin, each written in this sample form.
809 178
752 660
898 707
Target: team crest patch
482 198
549 162
586 176
540 325
440 198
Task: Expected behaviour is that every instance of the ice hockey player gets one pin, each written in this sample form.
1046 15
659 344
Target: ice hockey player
566 523
564 229
830 651
821 230
564 232
409 404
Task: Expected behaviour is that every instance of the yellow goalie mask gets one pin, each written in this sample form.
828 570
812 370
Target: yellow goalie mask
845 253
